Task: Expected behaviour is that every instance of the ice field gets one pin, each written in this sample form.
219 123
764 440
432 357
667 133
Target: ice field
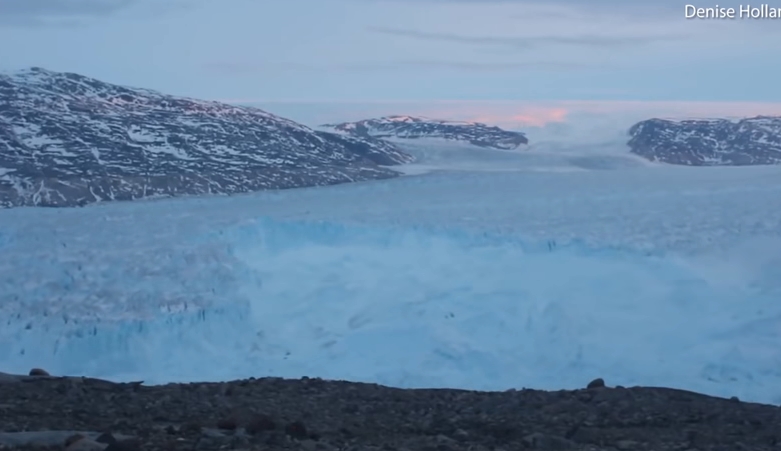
503 271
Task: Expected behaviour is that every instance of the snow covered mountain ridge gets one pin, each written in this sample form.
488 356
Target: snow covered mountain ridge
709 142
408 127
70 140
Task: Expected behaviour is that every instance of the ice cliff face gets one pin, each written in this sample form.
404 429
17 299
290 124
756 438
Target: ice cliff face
719 142
70 140
409 128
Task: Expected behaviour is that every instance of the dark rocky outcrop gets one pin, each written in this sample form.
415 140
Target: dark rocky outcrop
411 128
313 414
719 142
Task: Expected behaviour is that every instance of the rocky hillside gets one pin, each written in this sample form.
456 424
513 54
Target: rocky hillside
70 140
314 414
406 127
719 142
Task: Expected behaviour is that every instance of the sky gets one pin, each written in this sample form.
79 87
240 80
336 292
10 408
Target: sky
500 60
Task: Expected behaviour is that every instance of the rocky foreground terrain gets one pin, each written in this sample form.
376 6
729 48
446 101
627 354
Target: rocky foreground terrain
719 142
82 414
70 140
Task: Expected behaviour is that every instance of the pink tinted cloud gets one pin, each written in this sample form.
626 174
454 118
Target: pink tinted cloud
537 114
525 116
514 113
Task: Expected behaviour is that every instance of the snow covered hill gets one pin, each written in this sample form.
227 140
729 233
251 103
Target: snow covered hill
408 128
719 142
68 140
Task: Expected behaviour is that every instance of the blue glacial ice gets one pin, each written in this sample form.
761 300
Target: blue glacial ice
484 281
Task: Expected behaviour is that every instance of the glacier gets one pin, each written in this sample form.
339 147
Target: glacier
479 279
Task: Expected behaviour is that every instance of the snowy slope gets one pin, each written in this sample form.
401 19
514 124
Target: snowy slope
719 142
666 276
408 128
66 140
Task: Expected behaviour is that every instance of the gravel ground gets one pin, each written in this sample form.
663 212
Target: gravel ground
83 414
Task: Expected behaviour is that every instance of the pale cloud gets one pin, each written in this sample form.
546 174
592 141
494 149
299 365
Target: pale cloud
22 13
527 42
361 50
252 69
42 8
667 8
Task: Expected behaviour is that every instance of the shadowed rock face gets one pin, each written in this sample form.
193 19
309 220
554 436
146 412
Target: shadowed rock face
414 127
70 140
753 141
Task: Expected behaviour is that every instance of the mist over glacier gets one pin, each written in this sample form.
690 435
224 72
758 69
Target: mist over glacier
503 271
